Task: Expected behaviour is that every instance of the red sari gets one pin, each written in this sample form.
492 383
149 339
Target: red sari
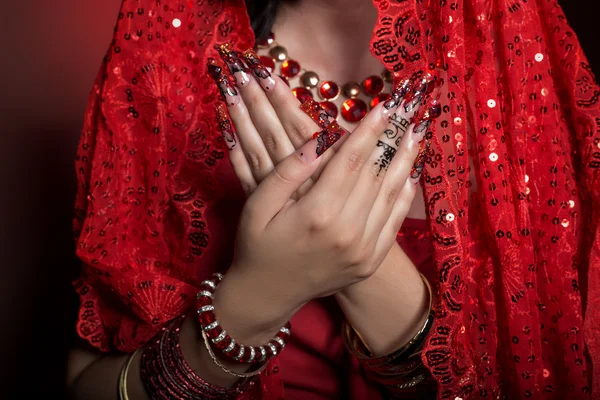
516 266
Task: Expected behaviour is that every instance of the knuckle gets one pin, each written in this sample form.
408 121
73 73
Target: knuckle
344 240
319 220
392 195
281 179
300 131
355 161
271 141
377 172
254 160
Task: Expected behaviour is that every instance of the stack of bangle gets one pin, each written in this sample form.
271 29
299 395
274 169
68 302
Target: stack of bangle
222 341
166 375
400 370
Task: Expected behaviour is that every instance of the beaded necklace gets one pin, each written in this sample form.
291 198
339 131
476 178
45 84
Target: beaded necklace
353 109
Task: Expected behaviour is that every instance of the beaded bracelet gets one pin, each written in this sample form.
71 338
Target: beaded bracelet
221 340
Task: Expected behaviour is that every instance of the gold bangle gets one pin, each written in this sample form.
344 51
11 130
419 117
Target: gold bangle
123 376
357 347
224 368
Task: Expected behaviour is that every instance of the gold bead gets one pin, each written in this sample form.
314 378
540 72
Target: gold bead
279 53
309 79
351 90
387 75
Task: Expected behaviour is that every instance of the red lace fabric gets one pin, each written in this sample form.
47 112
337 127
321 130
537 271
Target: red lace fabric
515 263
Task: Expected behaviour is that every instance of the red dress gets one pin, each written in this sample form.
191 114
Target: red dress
515 266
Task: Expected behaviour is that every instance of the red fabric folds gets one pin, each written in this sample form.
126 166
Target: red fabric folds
512 186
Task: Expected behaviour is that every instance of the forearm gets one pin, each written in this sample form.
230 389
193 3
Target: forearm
96 376
388 308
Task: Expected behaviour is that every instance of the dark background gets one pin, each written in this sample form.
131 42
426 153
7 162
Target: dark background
51 52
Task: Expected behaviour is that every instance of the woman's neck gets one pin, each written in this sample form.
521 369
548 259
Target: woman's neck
331 36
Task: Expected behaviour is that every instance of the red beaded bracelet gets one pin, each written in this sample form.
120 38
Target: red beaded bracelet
227 345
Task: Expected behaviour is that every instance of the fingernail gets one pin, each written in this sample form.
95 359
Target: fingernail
259 70
433 111
225 126
221 78
317 113
398 94
235 65
321 141
419 165
424 87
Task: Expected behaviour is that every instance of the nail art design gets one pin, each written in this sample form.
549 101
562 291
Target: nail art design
225 126
327 138
419 165
398 95
422 89
318 114
234 63
432 112
259 70
222 79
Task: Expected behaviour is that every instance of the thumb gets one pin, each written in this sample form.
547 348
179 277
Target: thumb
276 189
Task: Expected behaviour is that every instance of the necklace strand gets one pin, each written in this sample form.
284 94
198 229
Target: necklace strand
353 109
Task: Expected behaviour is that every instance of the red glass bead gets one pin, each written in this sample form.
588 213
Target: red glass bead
330 108
268 63
267 40
207 317
353 110
277 346
373 85
302 94
206 287
329 90
283 78
203 301
380 97
282 335
223 344
213 333
290 68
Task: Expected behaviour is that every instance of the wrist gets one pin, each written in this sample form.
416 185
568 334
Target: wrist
247 308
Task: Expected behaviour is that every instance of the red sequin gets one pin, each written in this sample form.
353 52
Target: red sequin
353 110
290 68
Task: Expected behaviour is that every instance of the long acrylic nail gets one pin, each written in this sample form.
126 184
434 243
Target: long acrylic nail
424 87
234 63
225 126
259 70
398 94
419 165
221 78
433 111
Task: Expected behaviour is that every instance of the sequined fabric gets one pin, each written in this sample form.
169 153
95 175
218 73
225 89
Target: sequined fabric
516 260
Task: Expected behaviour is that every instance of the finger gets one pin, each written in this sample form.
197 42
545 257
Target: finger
412 150
253 148
274 192
387 235
266 120
343 171
298 126
238 161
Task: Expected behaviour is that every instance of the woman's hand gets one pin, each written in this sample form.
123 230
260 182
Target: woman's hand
340 230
